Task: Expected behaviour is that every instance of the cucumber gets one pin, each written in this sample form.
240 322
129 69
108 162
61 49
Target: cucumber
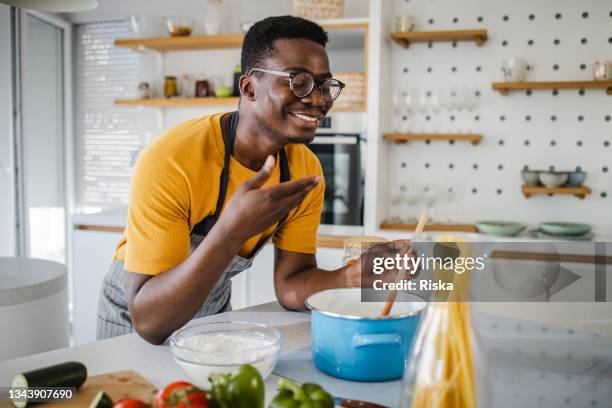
71 374
102 400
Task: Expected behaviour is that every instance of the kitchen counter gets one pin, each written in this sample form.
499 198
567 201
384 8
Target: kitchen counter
155 363
529 339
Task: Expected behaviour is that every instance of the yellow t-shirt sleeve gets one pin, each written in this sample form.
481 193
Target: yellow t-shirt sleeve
158 215
299 231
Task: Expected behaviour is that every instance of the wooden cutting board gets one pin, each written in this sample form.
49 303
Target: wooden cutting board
118 385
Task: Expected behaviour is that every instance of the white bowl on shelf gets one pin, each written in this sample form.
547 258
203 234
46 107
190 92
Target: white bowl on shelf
146 26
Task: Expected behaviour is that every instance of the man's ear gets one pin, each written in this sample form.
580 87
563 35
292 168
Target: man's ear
247 87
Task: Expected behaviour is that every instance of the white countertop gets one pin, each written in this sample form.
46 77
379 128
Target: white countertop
155 363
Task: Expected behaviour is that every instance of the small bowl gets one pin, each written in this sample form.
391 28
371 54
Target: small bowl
553 179
222 347
180 26
146 26
576 178
531 177
501 228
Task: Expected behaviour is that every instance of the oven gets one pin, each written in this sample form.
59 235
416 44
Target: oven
341 156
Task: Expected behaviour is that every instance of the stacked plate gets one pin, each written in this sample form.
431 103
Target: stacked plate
566 230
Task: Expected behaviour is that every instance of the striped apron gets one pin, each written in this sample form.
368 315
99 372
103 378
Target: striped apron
113 316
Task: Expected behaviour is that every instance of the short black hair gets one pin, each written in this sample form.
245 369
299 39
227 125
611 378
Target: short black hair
258 42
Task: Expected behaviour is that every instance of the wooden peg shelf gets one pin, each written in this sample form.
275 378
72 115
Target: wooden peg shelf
580 192
505 87
407 137
405 38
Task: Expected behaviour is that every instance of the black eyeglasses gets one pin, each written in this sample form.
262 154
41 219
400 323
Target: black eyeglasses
302 84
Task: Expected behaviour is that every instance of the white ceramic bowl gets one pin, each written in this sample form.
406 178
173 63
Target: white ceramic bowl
552 179
222 347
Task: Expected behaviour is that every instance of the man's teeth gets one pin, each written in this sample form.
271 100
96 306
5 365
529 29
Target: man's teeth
308 118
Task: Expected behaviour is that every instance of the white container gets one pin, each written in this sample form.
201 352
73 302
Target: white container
222 347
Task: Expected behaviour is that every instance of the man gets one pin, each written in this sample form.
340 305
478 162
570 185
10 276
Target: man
210 192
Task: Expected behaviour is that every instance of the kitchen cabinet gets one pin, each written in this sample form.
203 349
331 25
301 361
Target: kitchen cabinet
259 279
92 253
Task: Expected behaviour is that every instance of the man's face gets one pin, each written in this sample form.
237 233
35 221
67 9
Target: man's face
276 108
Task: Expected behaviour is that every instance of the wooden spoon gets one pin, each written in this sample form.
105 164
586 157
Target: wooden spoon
400 275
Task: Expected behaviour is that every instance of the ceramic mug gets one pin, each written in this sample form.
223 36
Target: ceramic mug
515 69
602 70
404 23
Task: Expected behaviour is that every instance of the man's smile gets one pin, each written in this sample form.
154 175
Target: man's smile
307 119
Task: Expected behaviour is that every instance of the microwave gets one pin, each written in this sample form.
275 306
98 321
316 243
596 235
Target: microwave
341 156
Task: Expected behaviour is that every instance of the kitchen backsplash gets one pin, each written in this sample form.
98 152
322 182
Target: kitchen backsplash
539 129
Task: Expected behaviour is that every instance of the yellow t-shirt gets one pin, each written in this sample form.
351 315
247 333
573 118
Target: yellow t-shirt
175 185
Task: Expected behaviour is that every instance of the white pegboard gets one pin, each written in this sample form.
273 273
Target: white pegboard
564 129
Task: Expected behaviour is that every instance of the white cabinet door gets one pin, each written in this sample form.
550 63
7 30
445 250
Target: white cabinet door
92 254
259 279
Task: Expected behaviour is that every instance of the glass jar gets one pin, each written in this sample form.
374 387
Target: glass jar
170 87
355 246
447 367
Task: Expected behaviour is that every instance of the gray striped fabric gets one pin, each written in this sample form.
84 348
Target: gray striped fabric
114 318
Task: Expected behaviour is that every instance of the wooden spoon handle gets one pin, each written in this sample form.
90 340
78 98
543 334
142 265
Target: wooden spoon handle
391 298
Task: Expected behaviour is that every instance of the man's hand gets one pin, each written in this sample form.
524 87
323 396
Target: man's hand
365 263
254 208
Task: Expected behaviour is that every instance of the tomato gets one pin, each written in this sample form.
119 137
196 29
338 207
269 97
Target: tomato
130 403
181 394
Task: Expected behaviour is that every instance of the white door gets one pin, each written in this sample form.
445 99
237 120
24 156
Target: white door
7 165
43 134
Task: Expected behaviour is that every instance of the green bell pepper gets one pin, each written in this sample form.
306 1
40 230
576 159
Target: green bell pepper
294 395
242 389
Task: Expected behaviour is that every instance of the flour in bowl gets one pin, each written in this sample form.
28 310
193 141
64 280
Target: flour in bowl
236 347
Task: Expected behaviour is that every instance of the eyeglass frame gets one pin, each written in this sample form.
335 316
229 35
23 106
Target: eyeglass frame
291 75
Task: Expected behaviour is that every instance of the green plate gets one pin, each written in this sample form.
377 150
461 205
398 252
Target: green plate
502 228
565 228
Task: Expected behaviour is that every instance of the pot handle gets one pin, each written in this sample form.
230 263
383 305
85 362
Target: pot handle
365 340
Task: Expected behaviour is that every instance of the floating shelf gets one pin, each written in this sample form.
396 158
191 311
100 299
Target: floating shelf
430 227
405 38
162 44
504 87
580 192
178 102
407 137
215 42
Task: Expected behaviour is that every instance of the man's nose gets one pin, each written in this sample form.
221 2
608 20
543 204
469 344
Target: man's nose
315 98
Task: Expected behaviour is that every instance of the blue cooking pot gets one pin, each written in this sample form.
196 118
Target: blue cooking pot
351 341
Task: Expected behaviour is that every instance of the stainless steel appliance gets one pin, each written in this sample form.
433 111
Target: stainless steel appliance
341 155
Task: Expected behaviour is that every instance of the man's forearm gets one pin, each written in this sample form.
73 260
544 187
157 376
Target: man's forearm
169 300
293 291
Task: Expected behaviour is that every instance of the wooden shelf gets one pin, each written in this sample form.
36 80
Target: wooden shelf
580 192
407 137
162 44
430 227
179 102
405 38
504 87
215 42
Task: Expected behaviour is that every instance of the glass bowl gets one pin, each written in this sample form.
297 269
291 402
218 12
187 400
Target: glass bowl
180 26
222 347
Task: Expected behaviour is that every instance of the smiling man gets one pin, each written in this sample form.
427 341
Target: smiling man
210 193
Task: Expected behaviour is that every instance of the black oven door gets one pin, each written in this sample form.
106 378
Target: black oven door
340 157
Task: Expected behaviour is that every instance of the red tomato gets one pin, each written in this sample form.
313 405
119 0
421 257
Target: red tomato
130 403
181 394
